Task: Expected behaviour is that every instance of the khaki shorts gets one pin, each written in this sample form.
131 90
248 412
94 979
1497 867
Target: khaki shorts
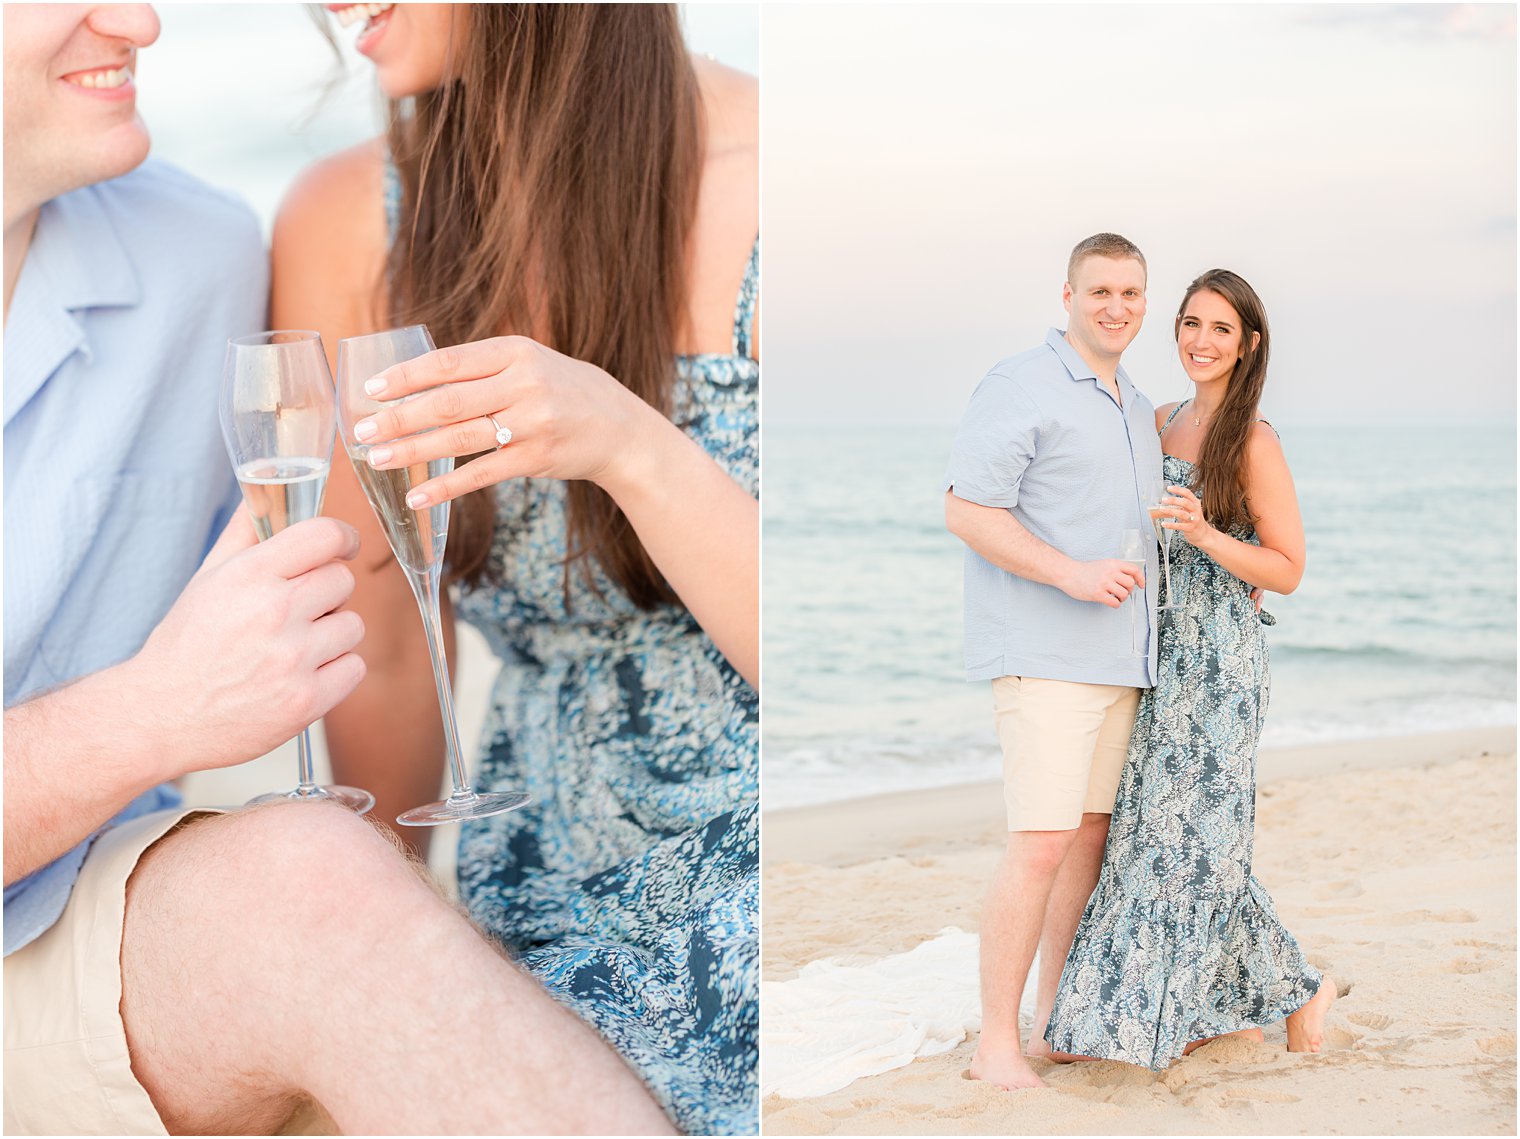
67 1071
1064 745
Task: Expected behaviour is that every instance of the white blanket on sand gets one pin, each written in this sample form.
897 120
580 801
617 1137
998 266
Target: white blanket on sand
842 1018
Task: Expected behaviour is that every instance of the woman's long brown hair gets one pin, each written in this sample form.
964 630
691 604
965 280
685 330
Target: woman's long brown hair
1221 467
549 189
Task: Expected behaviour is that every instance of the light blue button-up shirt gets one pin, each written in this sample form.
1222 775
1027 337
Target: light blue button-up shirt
1043 439
116 479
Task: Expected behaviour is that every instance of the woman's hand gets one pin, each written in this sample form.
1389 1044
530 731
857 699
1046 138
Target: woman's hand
1181 511
567 419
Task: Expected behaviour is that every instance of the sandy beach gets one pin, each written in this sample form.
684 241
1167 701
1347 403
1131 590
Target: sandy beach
1392 861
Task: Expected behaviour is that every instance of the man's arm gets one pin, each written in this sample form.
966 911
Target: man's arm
254 649
1002 539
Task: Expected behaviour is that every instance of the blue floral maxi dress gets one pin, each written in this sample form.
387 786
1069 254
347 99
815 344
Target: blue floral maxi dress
630 885
1179 940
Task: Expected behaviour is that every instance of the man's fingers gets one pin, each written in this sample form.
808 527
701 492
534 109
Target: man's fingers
334 635
238 535
309 544
323 589
335 680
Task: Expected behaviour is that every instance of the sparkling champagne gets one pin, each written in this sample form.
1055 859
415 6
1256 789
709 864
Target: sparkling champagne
282 490
416 536
1161 513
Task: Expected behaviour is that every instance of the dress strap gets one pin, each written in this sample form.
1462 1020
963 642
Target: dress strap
744 310
1173 416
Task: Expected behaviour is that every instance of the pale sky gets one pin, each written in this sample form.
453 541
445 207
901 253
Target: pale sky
927 169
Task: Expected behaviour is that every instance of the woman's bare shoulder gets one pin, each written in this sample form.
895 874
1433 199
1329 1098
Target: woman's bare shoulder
329 243
1164 411
1263 447
731 99
337 198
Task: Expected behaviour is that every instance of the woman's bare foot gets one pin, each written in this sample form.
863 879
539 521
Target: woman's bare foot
1245 1033
1039 1049
1306 1027
1003 1065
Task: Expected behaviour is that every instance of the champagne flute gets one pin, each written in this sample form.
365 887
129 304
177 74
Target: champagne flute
1132 550
1159 513
278 423
417 537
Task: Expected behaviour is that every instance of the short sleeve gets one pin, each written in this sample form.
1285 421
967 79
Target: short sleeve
994 445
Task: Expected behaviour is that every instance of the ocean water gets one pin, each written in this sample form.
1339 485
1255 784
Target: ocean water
1404 623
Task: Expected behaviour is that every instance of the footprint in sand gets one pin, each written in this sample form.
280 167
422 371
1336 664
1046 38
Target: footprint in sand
1338 1040
1328 891
1337 911
1257 1095
1470 965
1477 943
1503 1045
1453 916
1376 1020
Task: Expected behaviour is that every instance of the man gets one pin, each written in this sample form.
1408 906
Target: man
169 969
1046 473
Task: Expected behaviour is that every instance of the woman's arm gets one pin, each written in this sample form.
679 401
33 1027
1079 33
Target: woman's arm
328 259
1278 563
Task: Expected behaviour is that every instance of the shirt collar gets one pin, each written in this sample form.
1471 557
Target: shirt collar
1078 368
75 262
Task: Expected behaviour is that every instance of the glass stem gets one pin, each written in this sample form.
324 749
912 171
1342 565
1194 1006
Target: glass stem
1166 550
308 784
425 587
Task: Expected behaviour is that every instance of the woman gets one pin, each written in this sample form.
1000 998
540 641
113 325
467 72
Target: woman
572 200
1179 942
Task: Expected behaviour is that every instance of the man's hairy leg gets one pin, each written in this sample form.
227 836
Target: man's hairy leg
289 951
1068 898
1011 925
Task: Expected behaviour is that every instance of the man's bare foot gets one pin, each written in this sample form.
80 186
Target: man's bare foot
1003 1065
1245 1033
1306 1027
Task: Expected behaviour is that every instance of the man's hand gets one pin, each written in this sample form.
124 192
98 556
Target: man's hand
256 647
1107 581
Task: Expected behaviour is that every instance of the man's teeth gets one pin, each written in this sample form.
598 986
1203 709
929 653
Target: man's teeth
102 80
356 12
1111 327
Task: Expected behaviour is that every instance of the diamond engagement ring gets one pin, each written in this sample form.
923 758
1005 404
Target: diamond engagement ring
503 434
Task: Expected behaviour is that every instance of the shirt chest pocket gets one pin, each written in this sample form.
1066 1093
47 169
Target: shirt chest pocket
129 540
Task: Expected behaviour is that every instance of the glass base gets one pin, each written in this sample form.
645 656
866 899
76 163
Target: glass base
1169 605
459 807
355 799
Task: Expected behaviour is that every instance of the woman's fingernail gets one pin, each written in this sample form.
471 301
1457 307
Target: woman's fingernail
365 429
374 386
416 500
378 455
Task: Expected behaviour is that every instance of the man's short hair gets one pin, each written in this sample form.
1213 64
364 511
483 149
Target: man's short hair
1109 245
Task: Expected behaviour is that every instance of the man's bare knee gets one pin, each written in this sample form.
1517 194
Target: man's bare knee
230 921
1039 852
